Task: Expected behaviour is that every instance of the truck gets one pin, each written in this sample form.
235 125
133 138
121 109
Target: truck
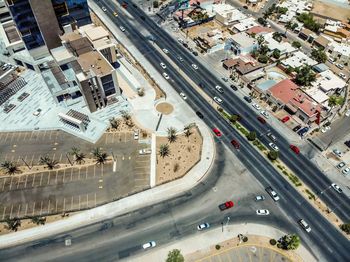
226 205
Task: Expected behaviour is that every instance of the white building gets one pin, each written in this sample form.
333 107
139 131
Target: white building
328 82
298 59
227 14
283 47
245 24
339 51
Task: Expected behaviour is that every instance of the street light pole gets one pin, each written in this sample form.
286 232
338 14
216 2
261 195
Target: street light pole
222 226
228 220
320 193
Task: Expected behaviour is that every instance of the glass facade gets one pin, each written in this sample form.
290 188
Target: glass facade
26 23
108 85
71 11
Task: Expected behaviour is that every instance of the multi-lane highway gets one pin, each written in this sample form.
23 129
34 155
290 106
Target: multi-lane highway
121 237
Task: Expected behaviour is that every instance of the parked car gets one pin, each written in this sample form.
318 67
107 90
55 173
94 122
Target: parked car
259 198
218 100
195 53
346 171
194 66
347 143
262 212
325 129
203 226
104 9
200 115
166 76
145 151
285 119
340 165
235 143
337 188
217 132
304 225
233 87
271 136
122 28
342 75
219 89
149 245
303 131
347 113
273 146
183 96
226 205
163 65
296 128
265 114
248 99
340 66
261 120
295 149
165 50
272 193
136 134
256 106
337 152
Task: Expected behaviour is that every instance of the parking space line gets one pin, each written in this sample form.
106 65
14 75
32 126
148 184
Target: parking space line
19 179
25 135
125 137
3 186
48 178
41 208
19 159
53 157
11 211
94 170
56 175
37 138
71 203
79 173
33 209
119 137
64 174
56 205
5 157
39 158
50 135
1 134
31 162
44 134
3 214
19 209
71 174
60 158
31 136
64 204
79 202
95 199
11 182
19 136
41 179
13 135
12 158
33 180
106 139
25 183
86 175
56 135
48 207
25 212
7 134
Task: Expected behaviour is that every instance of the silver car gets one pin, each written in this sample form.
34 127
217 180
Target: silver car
203 226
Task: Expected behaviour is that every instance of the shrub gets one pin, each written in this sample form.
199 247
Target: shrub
251 136
245 239
273 242
155 4
220 109
217 247
272 155
345 228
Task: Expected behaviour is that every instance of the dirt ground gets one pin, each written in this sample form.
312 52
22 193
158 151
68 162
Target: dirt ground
184 154
330 10
165 108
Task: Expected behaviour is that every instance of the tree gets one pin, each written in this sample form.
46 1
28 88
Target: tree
289 242
262 21
289 70
115 123
164 150
260 40
251 136
175 256
50 163
79 158
263 49
13 223
276 53
172 134
272 155
308 20
296 44
305 76
155 4
345 228
9 167
39 220
263 59
288 25
234 118
277 36
335 100
125 115
319 55
187 130
100 157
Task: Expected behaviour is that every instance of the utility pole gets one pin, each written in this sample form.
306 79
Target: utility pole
222 226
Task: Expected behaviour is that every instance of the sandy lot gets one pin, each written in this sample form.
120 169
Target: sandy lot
330 10
165 108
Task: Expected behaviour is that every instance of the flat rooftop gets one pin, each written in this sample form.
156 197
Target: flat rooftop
96 33
94 61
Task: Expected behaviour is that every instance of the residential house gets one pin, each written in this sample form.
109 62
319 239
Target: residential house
307 35
227 14
321 42
339 51
243 65
211 41
245 24
283 47
297 59
242 43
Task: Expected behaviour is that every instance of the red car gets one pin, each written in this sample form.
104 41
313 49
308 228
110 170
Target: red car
217 132
295 149
235 143
261 120
226 205
285 119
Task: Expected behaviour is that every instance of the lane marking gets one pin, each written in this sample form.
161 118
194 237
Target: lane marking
11 183
25 213
41 179
19 209
33 209
3 214
11 211
48 207
33 180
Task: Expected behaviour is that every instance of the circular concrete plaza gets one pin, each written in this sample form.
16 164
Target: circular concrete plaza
249 253
164 108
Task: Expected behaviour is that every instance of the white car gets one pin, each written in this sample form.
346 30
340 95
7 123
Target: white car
340 66
149 245
195 66
219 88
347 113
183 96
180 58
145 151
163 65
337 188
180 40
273 146
325 129
346 171
218 100
304 225
256 106
259 198
203 226
265 114
136 135
340 165
342 75
104 9
122 28
262 212
166 76
165 50
337 152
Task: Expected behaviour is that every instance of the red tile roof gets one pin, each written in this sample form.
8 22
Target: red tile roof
258 29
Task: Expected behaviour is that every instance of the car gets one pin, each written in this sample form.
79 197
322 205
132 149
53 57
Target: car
163 65
248 99
262 212
145 151
340 66
194 66
200 115
136 134
271 136
304 225
235 143
245 7
142 18
346 171
285 119
296 128
331 60
219 89
295 149
234 87
342 75
303 131
256 106
185 44
325 129
180 40
347 143
203 226
195 53
149 245
37 112
347 113
337 152
104 9
272 193
183 96
122 28
217 132
261 120
259 198
165 50
226 205
180 58
115 14
265 114
273 146
341 165
166 76
336 188
218 100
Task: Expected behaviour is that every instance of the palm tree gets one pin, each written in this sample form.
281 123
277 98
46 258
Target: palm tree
125 115
260 39
9 167
79 158
164 150
46 160
100 157
115 123
188 132
332 101
74 151
172 134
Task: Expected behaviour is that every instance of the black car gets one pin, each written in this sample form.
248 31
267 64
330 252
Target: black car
234 87
142 17
347 143
296 128
200 115
185 44
248 99
195 53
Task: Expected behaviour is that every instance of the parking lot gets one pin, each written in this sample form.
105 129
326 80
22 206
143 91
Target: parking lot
69 188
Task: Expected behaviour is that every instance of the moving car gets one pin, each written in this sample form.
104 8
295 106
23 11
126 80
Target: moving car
145 151
194 66
217 132
256 106
262 212
218 100
163 65
295 149
272 193
166 76
259 198
203 226
200 115
304 225
183 96
337 188
235 143
285 119
340 165
226 205
265 114
115 14
122 28
149 245
165 50
261 120
271 136
180 58
219 89
104 9
248 99
273 146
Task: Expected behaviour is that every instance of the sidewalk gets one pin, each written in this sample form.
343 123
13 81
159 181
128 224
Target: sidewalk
201 242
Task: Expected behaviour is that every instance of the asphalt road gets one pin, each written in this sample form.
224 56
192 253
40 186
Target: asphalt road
299 164
125 234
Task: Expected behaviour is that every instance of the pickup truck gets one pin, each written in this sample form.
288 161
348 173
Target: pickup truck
226 205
